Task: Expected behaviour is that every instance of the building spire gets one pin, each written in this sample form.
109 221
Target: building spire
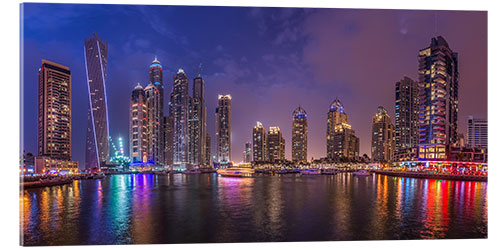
156 60
198 71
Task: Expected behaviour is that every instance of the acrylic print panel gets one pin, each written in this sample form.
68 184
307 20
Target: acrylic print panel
185 124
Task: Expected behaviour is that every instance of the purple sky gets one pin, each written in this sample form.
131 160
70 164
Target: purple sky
269 59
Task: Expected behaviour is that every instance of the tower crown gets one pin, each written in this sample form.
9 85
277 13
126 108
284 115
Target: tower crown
299 113
337 106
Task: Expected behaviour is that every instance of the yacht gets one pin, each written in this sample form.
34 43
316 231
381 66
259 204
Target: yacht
236 172
316 171
361 172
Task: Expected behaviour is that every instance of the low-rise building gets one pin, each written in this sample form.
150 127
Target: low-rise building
46 165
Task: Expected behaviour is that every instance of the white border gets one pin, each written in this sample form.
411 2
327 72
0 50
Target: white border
10 119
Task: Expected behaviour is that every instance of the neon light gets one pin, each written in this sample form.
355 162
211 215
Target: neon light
155 65
104 86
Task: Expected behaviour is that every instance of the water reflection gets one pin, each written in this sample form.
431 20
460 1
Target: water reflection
132 209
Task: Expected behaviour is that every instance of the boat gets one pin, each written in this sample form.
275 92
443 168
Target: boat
98 175
328 171
310 171
236 172
192 171
282 171
207 170
361 173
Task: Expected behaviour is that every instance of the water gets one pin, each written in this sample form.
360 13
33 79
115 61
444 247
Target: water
142 209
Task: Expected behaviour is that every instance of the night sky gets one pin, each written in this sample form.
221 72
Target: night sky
269 59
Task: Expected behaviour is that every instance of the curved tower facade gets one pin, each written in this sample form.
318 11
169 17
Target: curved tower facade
97 142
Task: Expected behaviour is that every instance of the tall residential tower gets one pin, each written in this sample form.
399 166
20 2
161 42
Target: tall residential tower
299 135
259 139
341 141
154 98
275 145
197 124
180 113
382 136
406 119
54 111
223 130
438 99
139 136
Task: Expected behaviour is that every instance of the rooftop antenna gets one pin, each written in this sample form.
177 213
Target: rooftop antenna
198 71
435 24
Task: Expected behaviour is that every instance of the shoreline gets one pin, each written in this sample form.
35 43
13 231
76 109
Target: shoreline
433 176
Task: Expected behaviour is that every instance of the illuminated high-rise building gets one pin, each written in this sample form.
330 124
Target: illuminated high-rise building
97 142
197 123
438 99
208 152
154 125
223 130
156 78
259 139
154 98
54 111
341 141
180 113
168 133
406 119
383 142
275 145
299 135
139 136
247 154
477 132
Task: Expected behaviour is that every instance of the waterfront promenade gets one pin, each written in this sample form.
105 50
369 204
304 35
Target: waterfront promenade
455 177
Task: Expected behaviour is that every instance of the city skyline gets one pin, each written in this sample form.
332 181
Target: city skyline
225 75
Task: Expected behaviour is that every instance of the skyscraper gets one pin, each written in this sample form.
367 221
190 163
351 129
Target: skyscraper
406 119
139 136
154 97
54 111
156 78
259 139
275 145
97 142
180 112
168 132
299 135
438 99
341 140
223 130
197 124
247 154
477 132
154 125
383 143
208 152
